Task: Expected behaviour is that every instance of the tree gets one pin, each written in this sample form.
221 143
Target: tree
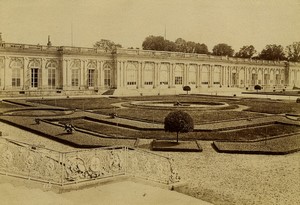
201 48
272 52
169 46
187 89
293 52
181 45
223 49
179 121
246 52
107 45
156 43
257 87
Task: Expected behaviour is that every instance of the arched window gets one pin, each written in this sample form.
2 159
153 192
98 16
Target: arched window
52 74
16 66
242 77
148 74
271 77
107 75
192 74
132 74
91 74
234 77
260 76
217 75
36 77
278 77
75 73
178 75
205 74
266 77
253 77
164 74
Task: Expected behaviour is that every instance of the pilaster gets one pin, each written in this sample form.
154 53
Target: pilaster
25 82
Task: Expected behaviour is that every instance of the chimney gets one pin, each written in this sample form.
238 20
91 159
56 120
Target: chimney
49 42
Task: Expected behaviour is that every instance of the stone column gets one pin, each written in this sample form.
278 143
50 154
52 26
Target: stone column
118 74
124 74
158 74
6 76
26 75
211 71
171 74
187 74
64 73
142 74
200 75
197 76
44 73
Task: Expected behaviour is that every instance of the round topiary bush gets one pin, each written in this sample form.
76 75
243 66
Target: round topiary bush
187 89
257 87
179 121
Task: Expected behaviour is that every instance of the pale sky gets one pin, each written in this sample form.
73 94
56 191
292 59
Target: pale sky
129 22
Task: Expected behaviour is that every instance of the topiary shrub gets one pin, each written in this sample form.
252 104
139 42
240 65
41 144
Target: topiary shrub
257 87
187 89
179 121
298 100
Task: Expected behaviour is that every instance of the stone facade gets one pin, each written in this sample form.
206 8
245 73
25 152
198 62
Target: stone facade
51 70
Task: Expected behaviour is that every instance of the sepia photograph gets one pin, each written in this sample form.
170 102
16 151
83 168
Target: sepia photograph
149 102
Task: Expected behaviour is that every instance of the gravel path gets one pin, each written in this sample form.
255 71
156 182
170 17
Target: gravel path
240 179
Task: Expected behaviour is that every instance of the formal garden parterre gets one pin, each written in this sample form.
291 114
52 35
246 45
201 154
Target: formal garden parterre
217 174
244 119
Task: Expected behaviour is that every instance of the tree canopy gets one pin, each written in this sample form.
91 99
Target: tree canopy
272 52
222 49
158 43
106 45
293 52
178 121
246 52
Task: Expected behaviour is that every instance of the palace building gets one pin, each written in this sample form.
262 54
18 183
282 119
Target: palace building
40 70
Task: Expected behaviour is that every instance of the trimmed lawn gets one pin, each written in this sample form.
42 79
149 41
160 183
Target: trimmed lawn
81 103
199 117
255 105
254 133
282 145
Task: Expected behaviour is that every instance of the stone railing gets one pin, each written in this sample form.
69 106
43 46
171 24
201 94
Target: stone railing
63 168
64 49
15 46
152 53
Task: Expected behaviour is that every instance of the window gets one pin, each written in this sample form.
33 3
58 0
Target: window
51 78
51 66
178 80
148 74
217 75
178 72
164 75
75 77
107 76
91 77
16 77
34 77
205 75
192 75
132 74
